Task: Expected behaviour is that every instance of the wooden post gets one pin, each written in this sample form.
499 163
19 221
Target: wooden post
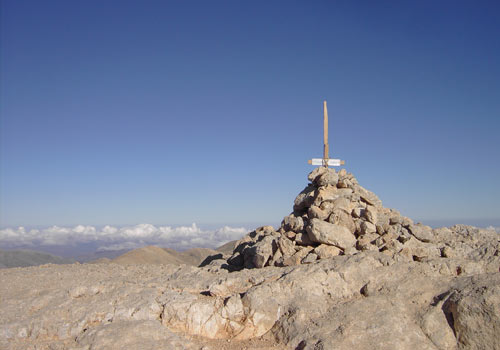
325 161
325 135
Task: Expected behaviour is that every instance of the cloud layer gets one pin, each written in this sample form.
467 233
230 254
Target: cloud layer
116 238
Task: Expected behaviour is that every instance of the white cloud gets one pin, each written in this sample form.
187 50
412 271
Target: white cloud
115 238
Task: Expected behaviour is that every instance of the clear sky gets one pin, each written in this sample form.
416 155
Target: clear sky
174 112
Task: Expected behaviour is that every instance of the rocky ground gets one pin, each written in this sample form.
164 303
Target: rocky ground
342 272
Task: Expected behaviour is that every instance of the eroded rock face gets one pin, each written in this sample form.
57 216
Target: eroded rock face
344 301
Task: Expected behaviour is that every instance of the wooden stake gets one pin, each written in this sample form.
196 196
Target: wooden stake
325 134
325 161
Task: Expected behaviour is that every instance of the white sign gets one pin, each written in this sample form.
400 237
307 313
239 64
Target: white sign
331 162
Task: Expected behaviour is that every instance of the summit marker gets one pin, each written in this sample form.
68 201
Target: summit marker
326 161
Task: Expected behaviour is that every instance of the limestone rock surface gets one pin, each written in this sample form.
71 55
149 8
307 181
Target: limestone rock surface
379 281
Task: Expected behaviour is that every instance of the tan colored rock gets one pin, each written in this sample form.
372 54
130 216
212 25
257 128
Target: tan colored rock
368 196
286 246
476 314
293 223
357 212
310 258
316 173
342 218
325 251
329 178
260 252
370 214
342 204
327 193
296 258
304 199
317 213
323 177
419 250
303 239
290 235
367 227
421 232
434 324
332 234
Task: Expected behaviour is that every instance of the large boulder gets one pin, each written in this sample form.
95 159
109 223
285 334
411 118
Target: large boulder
331 234
475 312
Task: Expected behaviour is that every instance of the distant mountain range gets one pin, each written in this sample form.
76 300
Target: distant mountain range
24 258
145 255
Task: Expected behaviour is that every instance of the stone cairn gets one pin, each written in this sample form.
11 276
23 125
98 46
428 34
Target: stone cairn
333 216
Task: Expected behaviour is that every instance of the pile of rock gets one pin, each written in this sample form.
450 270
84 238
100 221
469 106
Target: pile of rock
333 216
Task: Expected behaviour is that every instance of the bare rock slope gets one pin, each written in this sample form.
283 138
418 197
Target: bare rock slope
341 272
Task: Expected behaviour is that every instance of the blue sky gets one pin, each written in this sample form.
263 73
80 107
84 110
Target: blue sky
173 112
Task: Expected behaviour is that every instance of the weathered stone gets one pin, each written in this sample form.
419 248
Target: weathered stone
342 218
303 239
323 176
345 192
328 193
421 232
316 212
292 223
316 173
343 183
342 204
274 260
236 259
357 212
396 219
367 242
265 230
310 258
368 196
304 199
476 314
434 326
290 235
367 227
296 258
286 246
332 234
370 214
329 178
419 250
407 222
325 251
260 253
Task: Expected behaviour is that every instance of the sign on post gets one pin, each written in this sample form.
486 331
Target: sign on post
326 161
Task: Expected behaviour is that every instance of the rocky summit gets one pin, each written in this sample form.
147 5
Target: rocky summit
334 216
341 272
